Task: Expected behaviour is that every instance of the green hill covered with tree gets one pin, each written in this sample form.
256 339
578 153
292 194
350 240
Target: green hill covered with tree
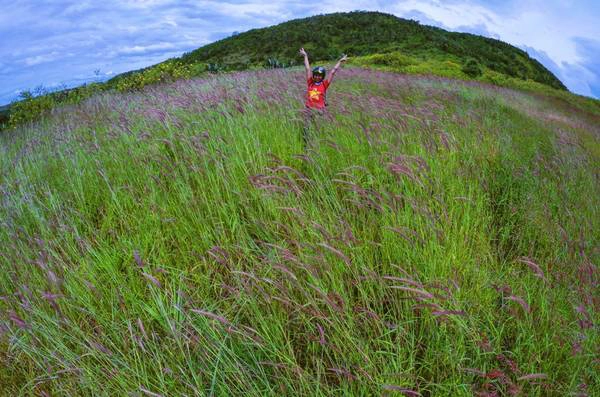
360 33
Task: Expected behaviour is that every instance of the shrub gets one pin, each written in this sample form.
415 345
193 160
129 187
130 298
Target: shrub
163 72
30 107
395 60
472 68
213 67
273 63
444 68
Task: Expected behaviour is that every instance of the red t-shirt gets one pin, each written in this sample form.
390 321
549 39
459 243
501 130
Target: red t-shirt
315 96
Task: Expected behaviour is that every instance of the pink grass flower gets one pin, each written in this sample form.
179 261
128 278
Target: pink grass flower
322 341
138 259
18 321
403 390
212 316
537 270
149 393
336 252
520 301
152 279
420 292
533 376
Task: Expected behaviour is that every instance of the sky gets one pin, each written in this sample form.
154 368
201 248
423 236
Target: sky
64 43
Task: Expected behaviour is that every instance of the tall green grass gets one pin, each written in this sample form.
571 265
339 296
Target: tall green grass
433 238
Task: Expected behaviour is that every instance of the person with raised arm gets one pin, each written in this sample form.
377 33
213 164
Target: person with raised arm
317 86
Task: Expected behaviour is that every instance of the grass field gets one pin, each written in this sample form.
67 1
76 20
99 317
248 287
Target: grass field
434 238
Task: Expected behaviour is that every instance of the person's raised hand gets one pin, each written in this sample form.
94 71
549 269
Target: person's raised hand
302 52
344 58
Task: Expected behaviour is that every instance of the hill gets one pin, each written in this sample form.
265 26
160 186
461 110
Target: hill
435 237
361 33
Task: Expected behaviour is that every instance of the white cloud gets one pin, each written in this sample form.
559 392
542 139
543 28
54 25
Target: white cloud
578 78
78 7
138 49
255 9
170 20
35 60
551 27
452 15
144 4
534 27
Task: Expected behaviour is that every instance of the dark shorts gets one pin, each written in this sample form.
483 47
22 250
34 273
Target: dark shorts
311 110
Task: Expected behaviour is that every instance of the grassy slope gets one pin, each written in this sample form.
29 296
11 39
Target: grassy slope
437 236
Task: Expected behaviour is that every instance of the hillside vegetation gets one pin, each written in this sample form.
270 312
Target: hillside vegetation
361 33
371 39
434 238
